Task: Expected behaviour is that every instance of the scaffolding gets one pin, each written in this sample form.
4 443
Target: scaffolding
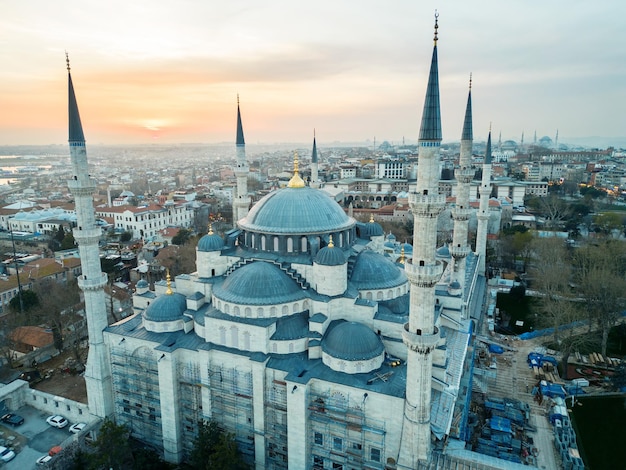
340 434
276 426
190 399
137 398
232 406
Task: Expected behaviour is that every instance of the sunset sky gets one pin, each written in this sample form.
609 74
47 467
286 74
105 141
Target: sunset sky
169 71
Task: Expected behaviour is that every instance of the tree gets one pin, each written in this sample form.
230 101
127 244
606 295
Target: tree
215 449
29 301
112 446
60 234
181 237
600 275
68 241
126 236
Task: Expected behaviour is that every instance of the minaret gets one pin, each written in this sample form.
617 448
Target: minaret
241 203
420 334
483 210
314 165
464 174
93 280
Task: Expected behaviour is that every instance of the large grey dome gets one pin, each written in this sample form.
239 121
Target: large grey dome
167 307
352 341
259 283
298 211
373 271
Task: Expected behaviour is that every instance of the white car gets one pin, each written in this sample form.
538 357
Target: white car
6 454
44 459
57 421
78 427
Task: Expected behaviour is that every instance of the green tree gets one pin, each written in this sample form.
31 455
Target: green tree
29 301
181 237
68 241
126 236
60 234
215 449
112 448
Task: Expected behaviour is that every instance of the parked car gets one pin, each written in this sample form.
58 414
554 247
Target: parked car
78 427
44 459
57 421
6 454
54 450
12 419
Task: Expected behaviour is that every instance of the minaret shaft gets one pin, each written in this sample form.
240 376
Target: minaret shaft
420 334
483 210
241 201
92 281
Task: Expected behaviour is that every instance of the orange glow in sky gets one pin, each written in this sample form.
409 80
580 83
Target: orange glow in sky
354 70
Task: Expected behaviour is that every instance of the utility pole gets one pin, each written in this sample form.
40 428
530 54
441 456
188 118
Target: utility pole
17 273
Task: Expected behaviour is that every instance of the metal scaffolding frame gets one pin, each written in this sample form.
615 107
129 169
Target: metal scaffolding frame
340 433
136 390
276 426
190 399
232 406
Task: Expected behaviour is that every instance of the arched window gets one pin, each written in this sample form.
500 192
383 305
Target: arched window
289 245
369 296
379 295
248 312
246 341
236 311
222 335
263 242
234 336
296 307
275 243
303 244
226 308
389 294
260 312
272 311
285 310
290 347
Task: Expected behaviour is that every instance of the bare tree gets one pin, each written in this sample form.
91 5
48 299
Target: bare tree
600 274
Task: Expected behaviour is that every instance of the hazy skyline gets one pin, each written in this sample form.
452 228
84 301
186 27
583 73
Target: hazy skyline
170 71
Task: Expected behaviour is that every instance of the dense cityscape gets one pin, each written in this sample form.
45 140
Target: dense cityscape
427 303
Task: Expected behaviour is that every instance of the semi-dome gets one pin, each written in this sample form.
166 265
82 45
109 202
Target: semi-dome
259 283
352 341
297 210
167 307
141 284
373 271
210 242
330 256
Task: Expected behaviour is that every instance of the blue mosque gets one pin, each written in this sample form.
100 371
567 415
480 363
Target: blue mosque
296 333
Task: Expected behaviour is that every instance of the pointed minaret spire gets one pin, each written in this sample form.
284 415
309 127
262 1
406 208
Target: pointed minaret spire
431 116
464 174
314 165
241 202
92 280
420 334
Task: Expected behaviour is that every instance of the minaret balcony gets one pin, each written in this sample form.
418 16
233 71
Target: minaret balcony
484 190
464 175
92 283
426 275
420 342
461 214
426 205
459 252
88 236
80 188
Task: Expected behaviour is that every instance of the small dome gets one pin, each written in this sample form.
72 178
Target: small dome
391 237
352 341
259 283
330 256
408 248
373 271
210 242
142 284
167 307
443 252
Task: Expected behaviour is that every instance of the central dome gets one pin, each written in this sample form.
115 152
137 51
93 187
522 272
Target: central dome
296 211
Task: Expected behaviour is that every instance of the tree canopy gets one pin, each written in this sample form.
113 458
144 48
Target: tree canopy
215 449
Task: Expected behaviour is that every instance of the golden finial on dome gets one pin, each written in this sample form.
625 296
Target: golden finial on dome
295 181
401 259
330 242
436 26
169 290
210 229
372 218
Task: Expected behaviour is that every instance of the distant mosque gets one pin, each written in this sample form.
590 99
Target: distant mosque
296 333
